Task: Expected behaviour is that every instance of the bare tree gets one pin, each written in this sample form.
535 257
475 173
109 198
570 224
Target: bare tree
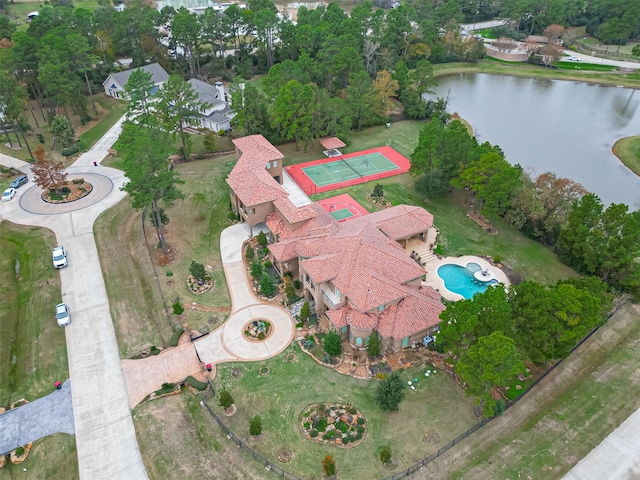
369 51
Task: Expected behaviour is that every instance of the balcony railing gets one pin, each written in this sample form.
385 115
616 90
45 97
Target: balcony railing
330 297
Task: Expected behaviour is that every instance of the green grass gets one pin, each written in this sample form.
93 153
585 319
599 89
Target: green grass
193 231
19 10
54 456
114 110
459 235
628 151
282 396
33 351
591 67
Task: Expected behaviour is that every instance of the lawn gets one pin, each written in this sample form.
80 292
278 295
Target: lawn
459 235
54 456
591 67
179 440
563 418
193 231
628 151
33 351
282 396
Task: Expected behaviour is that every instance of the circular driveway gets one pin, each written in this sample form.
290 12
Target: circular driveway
32 202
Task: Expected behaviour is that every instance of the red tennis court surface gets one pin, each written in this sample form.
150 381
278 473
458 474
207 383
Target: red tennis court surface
297 173
343 207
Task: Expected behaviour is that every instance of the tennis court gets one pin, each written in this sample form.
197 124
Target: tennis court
349 169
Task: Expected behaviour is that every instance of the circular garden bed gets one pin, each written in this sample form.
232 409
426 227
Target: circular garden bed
69 192
257 330
333 424
199 286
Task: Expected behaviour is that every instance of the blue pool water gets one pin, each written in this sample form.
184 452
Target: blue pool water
460 279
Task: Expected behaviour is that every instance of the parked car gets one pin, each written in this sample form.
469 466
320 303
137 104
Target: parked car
59 257
63 316
573 59
18 182
8 194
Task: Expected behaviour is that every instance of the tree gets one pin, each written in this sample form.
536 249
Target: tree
635 51
138 93
384 87
47 172
492 363
186 31
385 455
373 348
146 165
361 101
255 426
378 191
293 111
267 287
256 268
390 392
210 141
250 253
197 270
329 466
261 238
250 105
226 400
62 132
333 343
180 106
289 288
305 313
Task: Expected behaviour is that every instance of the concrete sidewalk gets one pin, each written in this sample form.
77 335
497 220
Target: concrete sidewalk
44 416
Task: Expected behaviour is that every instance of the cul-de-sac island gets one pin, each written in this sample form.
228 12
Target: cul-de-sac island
353 240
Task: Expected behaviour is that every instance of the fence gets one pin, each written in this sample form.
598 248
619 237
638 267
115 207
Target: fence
231 436
417 466
588 49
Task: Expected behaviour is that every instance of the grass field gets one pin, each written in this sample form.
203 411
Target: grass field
459 235
567 414
193 231
33 351
591 67
628 151
281 397
54 456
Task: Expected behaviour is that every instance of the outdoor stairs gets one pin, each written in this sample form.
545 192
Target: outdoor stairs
422 249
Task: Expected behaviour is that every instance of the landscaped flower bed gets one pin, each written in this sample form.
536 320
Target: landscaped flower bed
258 330
335 424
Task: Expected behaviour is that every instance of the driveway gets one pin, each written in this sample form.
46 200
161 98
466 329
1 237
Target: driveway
37 419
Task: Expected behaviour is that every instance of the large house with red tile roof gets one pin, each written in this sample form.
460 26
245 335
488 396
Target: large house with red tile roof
357 273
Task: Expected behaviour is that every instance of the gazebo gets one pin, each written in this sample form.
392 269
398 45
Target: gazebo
331 146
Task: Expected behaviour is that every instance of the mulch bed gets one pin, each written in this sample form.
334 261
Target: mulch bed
78 191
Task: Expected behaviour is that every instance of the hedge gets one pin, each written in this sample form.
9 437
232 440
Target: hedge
198 385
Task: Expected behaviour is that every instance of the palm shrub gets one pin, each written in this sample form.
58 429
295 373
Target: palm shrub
329 466
255 426
226 399
390 392
332 344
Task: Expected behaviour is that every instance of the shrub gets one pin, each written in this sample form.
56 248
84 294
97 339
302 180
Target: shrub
178 309
378 191
231 216
77 181
352 410
197 270
197 384
65 190
326 358
297 284
358 436
385 454
267 264
250 253
261 336
373 349
175 337
169 273
305 311
255 426
361 421
390 392
209 142
322 425
53 195
267 287
226 400
67 152
329 466
498 408
340 425
497 258
164 218
307 425
332 344
262 239
313 433
345 440
256 268
360 429
154 350
289 289
167 388
19 451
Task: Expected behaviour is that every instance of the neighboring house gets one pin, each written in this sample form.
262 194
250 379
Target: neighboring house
115 83
358 274
218 115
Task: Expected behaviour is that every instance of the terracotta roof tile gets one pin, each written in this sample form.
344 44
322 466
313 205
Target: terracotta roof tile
332 142
360 320
255 187
416 312
291 213
338 317
256 152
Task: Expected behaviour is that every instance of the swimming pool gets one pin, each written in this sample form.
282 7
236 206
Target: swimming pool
459 279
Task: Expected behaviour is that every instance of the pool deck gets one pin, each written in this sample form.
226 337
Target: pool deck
434 281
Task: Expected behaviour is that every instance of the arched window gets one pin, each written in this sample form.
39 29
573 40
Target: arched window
359 341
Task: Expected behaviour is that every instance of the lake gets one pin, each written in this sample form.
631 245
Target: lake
553 125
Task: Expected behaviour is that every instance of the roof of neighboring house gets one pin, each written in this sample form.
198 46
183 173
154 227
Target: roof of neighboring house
249 179
332 142
158 74
206 93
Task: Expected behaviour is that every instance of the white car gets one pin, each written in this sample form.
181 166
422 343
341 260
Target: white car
63 316
8 194
59 257
573 59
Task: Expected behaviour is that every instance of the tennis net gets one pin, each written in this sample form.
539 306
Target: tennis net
351 167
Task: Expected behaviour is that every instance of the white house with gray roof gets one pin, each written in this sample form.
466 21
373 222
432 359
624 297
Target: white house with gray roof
218 115
115 83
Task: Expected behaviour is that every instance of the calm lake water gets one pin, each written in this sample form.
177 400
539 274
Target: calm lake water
552 125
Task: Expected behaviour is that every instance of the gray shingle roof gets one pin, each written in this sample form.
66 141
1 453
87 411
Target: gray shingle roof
205 91
158 75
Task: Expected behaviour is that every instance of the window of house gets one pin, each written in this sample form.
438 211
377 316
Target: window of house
275 163
338 294
381 308
268 164
344 329
252 211
286 264
358 341
405 342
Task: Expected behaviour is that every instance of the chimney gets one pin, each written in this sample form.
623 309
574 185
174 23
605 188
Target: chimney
220 89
